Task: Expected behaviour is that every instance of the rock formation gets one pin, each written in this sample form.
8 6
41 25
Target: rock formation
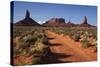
55 22
27 21
69 24
85 23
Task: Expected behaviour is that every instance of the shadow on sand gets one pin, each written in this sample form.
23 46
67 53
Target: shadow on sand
52 58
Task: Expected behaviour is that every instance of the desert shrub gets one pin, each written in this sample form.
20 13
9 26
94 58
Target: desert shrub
85 43
94 34
61 32
45 41
38 51
94 42
76 37
16 52
30 44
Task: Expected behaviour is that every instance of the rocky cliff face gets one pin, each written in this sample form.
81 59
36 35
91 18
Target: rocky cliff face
27 21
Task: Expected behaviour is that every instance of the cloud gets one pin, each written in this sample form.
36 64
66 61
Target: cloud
41 22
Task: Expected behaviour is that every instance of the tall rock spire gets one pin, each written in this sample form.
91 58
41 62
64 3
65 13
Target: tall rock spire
85 23
27 14
85 20
27 21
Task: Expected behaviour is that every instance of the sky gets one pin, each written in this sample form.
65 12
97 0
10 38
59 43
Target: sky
42 12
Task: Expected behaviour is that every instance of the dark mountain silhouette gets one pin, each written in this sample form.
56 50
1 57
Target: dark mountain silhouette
27 21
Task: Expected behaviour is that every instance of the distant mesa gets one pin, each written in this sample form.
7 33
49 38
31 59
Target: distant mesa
27 21
55 22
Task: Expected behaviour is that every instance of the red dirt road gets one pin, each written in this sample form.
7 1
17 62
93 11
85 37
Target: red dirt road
69 47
